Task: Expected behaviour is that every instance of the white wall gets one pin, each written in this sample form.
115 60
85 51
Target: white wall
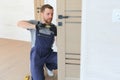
12 11
100 56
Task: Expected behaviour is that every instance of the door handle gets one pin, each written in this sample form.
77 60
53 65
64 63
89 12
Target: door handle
61 16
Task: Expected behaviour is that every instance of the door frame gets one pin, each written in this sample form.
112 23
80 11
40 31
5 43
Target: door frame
61 39
37 6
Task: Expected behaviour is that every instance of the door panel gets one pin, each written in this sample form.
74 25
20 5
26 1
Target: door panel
72 61
70 69
73 4
72 38
72 56
73 20
69 38
73 13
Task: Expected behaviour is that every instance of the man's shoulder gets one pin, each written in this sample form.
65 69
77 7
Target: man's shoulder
54 29
53 26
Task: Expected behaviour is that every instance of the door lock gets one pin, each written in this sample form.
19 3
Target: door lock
60 24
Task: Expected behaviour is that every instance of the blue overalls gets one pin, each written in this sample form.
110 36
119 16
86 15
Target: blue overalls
42 53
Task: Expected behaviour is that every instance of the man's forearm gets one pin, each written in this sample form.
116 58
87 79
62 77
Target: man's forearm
25 24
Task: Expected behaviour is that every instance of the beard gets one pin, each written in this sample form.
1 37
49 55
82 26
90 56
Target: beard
48 21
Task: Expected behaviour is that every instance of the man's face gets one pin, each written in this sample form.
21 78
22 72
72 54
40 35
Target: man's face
47 15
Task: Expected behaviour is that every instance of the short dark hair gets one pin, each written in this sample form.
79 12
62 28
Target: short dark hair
45 6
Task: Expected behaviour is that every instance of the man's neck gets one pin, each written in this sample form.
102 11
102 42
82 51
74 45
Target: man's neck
42 21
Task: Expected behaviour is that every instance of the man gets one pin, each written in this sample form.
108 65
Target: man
43 35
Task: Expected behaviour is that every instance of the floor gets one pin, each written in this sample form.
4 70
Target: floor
14 60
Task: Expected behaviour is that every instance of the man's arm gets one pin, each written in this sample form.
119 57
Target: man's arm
26 25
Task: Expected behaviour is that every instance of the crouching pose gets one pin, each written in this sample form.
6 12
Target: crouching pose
43 37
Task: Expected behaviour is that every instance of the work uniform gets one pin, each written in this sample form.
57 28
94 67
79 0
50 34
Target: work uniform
42 52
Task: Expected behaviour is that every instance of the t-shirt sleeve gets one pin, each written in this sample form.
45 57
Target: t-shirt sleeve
54 29
33 22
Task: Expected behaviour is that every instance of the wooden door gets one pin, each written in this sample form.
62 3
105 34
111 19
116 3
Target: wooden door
69 34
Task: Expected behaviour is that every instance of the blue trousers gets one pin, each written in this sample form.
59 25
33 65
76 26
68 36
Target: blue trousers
37 61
